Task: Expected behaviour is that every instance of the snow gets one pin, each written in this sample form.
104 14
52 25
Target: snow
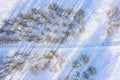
103 51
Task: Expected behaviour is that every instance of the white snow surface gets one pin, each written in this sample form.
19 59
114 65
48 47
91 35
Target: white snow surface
104 54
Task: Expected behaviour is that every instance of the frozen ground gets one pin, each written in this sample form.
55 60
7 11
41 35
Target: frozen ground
102 50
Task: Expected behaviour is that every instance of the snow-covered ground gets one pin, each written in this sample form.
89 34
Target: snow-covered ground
99 45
